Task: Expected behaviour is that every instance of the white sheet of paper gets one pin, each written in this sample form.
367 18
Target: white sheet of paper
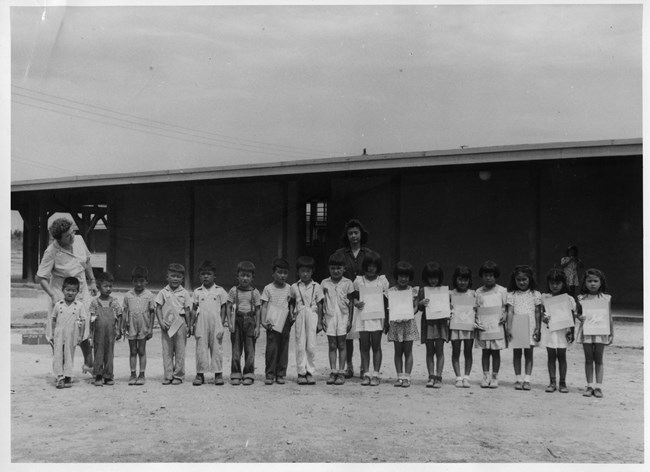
520 332
277 316
489 317
438 307
559 312
373 299
463 318
597 317
400 305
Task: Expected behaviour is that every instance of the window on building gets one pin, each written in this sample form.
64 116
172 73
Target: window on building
315 222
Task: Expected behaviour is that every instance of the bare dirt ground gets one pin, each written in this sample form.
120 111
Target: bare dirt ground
322 423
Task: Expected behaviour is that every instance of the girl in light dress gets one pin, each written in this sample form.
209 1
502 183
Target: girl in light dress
404 332
557 341
524 300
461 282
370 331
594 287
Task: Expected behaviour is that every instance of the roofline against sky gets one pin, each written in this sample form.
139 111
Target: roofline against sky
509 153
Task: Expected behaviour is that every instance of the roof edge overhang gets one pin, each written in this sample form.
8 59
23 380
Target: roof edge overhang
464 156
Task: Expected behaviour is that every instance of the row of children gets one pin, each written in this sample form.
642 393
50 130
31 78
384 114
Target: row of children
366 307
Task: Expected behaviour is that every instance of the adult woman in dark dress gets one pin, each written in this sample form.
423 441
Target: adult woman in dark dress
353 239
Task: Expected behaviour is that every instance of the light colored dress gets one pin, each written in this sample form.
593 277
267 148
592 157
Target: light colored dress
556 339
380 281
525 303
406 330
496 296
462 334
600 338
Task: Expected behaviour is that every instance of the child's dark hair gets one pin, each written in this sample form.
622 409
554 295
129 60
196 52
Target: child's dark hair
371 257
71 282
246 266
403 268
556 275
336 259
307 262
461 272
140 272
176 267
279 263
432 270
354 223
207 266
104 277
572 248
525 270
595 273
489 267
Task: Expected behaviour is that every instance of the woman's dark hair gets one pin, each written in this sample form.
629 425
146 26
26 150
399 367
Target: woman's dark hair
596 273
371 257
403 268
354 223
525 270
59 227
556 275
430 270
489 267
461 272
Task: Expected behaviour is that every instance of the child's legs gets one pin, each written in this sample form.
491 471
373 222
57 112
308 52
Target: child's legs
271 353
99 344
375 341
485 359
133 354
552 355
283 351
468 344
349 351
588 349
202 359
364 350
179 341
142 354
249 346
440 356
599 351
496 361
310 328
109 351
408 356
528 359
332 346
68 358
399 352
340 341
516 360
167 352
216 352
455 356
430 350
301 342
561 357
237 343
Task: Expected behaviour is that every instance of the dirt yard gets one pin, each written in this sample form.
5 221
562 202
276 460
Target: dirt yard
322 423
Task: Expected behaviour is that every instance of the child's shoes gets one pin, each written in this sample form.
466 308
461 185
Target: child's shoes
236 381
551 388
268 381
563 388
366 381
406 383
133 379
437 382
140 380
310 379
588 392
177 381
519 385
399 383
459 383
67 382
598 393
430 382
218 379
340 379
109 382
167 381
248 381
525 385
485 383
375 382
60 382
466 383
198 380
302 380
279 380
332 379
494 383
98 381
349 373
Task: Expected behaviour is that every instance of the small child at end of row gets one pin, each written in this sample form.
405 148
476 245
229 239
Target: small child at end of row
106 326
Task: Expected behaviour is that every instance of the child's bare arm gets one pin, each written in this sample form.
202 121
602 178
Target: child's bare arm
231 316
224 315
264 311
258 318
509 315
321 326
163 324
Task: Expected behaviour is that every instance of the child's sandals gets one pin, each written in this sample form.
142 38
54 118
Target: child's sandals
366 381
399 383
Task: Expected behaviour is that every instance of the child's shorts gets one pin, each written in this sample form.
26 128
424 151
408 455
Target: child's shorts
138 328
337 324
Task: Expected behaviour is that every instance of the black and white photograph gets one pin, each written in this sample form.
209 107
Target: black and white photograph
369 235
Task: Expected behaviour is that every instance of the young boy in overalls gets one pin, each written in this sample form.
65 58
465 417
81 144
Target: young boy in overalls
173 305
244 310
105 316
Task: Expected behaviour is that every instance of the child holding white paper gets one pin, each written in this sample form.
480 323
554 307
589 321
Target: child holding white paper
337 320
308 296
276 298
557 340
370 330
523 300
491 295
461 282
594 288
434 332
403 332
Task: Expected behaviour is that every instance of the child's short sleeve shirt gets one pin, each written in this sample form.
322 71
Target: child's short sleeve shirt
248 300
337 295
179 299
307 295
277 296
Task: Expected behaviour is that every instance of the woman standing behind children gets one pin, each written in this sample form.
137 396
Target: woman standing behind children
594 287
370 330
139 309
461 281
491 295
557 341
404 332
105 315
337 319
572 266
524 300
435 333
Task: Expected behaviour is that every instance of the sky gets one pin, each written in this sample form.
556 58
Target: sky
98 90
